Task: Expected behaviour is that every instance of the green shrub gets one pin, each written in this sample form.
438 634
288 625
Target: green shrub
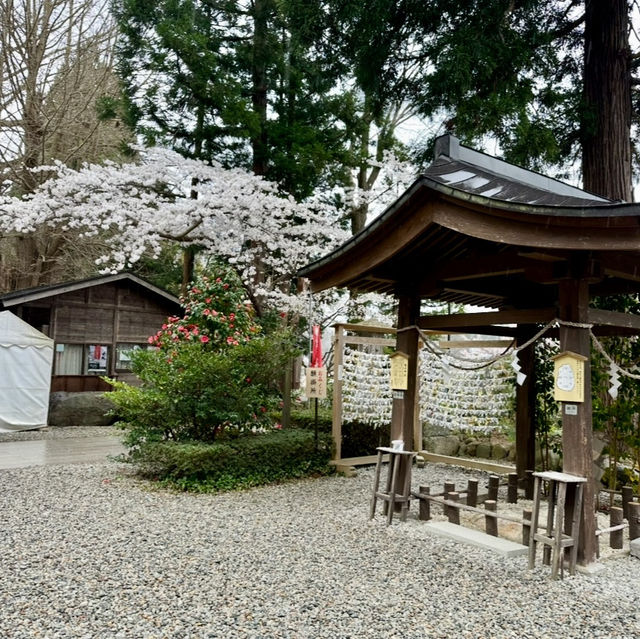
196 394
306 419
248 460
358 439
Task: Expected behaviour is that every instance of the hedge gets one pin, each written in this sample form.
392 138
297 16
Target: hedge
358 439
249 460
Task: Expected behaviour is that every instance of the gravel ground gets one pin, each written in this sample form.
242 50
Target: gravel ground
59 432
90 552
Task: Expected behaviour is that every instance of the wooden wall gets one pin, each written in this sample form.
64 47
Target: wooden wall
108 313
105 314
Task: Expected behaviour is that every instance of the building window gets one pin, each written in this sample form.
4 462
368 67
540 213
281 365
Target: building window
81 359
97 359
123 355
69 359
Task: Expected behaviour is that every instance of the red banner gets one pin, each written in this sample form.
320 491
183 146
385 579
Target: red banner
316 347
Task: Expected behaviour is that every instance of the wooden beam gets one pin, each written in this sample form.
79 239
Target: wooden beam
476 464
614 286
376 341
525 284
613 318
533 266
519 228
365 328
623 265
474 343
466 320
545 256
497 331
494 296
613 331
505 263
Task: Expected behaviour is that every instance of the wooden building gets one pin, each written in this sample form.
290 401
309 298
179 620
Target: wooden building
95 324
476 230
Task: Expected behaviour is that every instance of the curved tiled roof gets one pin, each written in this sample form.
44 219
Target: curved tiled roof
476 230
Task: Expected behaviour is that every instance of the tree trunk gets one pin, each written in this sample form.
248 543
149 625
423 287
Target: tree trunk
189 252
259 81
606 126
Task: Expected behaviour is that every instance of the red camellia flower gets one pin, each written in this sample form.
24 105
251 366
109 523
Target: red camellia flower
204 339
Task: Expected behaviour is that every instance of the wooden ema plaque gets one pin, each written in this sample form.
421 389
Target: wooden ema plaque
399 371
568 377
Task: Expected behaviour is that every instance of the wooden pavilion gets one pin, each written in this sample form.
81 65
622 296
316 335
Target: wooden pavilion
475 230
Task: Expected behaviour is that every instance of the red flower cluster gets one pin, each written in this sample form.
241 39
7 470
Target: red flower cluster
216 316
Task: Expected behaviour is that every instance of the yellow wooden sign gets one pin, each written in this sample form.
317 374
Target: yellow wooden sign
399 371
568 377
317 382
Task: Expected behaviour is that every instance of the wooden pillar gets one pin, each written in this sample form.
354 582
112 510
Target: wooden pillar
336 418
286 394
404 408
525 407
577 430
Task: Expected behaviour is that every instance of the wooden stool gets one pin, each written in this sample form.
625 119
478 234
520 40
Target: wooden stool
553 537
391 496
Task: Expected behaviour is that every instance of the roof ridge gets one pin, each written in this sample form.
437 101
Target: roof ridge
449 146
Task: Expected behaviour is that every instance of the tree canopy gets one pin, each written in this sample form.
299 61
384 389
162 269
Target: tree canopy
552 84
135 207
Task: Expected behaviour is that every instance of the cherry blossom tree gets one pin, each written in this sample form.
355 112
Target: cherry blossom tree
376 185
136 207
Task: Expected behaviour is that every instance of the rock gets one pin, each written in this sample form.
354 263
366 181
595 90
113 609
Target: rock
80 409
512 452
471 448
498 451
634 547
483 450
444 445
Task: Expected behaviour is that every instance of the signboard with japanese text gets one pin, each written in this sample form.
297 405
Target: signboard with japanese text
316 382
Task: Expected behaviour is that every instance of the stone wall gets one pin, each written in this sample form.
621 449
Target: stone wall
465 445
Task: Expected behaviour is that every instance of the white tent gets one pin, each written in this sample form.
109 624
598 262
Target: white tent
26 357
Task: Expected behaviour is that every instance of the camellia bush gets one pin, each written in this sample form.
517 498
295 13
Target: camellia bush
209 375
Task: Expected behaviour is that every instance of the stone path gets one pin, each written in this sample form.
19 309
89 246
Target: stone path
21 454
